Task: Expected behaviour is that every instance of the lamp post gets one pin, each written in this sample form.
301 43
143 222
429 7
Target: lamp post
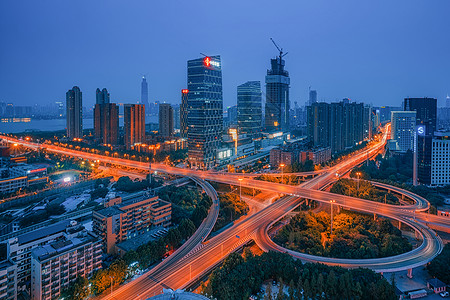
282 172
358 174
240 188
332 201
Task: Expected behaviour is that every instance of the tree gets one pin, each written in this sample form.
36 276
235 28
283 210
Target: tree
440 266
78 290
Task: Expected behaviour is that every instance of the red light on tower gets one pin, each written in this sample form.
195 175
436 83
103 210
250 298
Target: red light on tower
207 61
185 91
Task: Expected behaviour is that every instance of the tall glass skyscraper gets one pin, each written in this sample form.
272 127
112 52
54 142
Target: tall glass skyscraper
144 94
277 97
205 107
74 114
249 107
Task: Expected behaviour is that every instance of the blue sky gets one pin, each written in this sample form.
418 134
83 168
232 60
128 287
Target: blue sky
372 51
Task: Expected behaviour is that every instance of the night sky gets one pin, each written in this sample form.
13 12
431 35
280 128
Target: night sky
372 51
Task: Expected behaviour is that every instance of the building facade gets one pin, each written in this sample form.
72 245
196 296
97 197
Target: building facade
57 265
277 97
126 218
166 120
440 159
106 123
74 113
134 124
8 280
249 110
426 118
102 96
403 127
312 97
205 111
184 113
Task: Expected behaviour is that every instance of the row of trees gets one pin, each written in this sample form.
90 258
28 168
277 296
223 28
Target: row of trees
231 209
439 267
366 190
125 184
240 277
354 236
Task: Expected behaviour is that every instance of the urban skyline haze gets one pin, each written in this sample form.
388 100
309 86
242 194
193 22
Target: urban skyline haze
378 52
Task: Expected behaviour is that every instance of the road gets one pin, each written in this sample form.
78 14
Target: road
183 270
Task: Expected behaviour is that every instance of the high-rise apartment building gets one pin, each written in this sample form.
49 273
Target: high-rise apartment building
184 113
312 97
403 127
144 94
205 111
426 119
277 97
134 124
338 125
165 120
440 159
249 107
106 123
102 97
176 116
8 280
55 266
74 115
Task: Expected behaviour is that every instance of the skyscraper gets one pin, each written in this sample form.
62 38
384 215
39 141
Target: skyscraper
205 107
403 127
184 113
277 96
74 115
176 116
144 94
165 120
106 123
102 96
312 97
426 114
249 107
134 124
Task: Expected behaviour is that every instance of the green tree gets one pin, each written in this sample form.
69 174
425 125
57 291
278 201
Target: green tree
78 290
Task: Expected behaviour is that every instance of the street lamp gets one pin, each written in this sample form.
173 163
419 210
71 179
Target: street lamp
240 188
358 174
282 171
332 201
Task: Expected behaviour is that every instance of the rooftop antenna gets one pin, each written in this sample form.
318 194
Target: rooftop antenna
279 49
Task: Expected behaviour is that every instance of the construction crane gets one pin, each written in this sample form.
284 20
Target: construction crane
279 49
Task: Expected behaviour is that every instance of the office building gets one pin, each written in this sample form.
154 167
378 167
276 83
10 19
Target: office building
102 97
19 248
74 113
106 123
184 113
128 217
144 95
134 124
277 97
176 116
232 116
8 280
205 111
165 120
13 178
339 125
440 159
312 97
55 266
403 126
426 119
249 110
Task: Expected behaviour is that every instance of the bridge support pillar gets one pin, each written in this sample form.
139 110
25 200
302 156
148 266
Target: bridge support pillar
410 274
399 225
403 197
374 217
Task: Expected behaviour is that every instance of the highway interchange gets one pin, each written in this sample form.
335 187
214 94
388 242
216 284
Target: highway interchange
194 258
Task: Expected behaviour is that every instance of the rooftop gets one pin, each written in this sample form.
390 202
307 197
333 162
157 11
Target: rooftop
110 211
43 232
6 264
142 239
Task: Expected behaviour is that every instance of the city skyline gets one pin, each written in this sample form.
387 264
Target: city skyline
387 53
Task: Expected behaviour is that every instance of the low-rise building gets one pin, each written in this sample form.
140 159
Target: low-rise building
127 217
13 178
8 280
56 265
318 155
